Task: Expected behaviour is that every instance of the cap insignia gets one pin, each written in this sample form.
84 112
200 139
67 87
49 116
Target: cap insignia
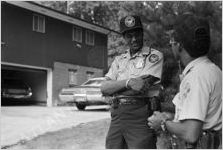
129 21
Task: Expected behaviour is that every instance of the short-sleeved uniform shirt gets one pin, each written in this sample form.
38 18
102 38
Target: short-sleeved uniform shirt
200 95
129 122
145 62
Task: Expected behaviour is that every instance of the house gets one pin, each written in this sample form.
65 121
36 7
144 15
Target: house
50 49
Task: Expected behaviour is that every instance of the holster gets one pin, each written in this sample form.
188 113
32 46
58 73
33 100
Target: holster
209 139
154 104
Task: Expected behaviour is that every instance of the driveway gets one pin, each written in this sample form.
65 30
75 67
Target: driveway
89 135
25 123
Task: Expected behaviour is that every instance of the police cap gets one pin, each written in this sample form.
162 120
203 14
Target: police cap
130 22
194 34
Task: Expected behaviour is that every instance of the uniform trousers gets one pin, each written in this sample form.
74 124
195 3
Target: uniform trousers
128 128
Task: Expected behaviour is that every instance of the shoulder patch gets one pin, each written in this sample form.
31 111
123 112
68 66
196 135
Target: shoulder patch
153 58
185 90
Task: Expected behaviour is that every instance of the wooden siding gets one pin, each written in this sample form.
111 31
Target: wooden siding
25 46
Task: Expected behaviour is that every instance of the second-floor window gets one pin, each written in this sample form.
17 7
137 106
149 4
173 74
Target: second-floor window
89 38
77 34
38 23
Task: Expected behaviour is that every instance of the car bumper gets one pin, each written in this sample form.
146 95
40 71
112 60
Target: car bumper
16 96
91 101
66 98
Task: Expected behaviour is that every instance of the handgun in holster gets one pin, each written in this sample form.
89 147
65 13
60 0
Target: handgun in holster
153 93
209 139
154 102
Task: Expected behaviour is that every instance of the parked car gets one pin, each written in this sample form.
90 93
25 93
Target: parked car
86 94
15 88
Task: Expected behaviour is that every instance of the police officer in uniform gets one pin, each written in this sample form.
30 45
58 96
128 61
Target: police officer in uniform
129 80
198 105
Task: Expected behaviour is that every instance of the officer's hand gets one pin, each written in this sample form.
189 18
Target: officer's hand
155 120
136 84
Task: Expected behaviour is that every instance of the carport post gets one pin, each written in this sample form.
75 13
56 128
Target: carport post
49 88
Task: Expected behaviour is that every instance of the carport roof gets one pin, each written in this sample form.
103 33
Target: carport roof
32 6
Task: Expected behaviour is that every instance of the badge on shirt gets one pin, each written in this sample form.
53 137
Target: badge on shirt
153 58
140 63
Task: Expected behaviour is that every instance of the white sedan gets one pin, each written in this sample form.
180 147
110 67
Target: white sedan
86 94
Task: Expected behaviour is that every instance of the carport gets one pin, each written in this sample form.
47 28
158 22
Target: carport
38 78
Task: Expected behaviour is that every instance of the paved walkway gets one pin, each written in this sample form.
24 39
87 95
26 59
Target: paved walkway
25 123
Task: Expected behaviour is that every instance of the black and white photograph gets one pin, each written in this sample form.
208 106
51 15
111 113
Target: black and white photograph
111 74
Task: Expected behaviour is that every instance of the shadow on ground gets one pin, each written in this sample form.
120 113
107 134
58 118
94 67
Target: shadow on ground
20 102
84 136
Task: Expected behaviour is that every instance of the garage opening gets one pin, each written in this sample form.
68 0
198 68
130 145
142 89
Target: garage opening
23 86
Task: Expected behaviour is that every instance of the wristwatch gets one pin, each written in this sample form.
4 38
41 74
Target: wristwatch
126 84
163 124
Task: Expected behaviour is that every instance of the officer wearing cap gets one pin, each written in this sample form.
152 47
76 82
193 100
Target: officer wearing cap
129 80
198 105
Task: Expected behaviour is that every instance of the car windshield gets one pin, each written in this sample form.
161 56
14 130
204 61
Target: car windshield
9 83
92 83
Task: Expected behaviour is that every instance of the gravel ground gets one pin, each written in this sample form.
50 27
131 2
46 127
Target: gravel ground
84 136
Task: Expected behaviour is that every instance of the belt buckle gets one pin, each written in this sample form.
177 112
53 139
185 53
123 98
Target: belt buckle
126 101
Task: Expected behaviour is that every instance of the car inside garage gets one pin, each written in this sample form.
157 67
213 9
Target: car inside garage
23 86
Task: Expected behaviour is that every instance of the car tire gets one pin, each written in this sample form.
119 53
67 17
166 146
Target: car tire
80 106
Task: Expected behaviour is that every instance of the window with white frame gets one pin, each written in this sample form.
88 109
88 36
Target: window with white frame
89 38
38 23
90 74
72 76
77 34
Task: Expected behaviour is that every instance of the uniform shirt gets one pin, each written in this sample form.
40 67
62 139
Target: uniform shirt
200 95
145 62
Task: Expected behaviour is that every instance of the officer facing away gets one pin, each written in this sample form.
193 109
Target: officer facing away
198 105
129 78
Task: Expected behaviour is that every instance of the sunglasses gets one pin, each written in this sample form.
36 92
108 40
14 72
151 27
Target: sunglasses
172 42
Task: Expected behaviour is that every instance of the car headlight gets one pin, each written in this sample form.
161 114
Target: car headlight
30 93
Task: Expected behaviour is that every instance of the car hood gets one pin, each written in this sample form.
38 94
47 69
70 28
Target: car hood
80 89
81 86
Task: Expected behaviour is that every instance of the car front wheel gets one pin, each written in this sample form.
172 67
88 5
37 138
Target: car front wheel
80 106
